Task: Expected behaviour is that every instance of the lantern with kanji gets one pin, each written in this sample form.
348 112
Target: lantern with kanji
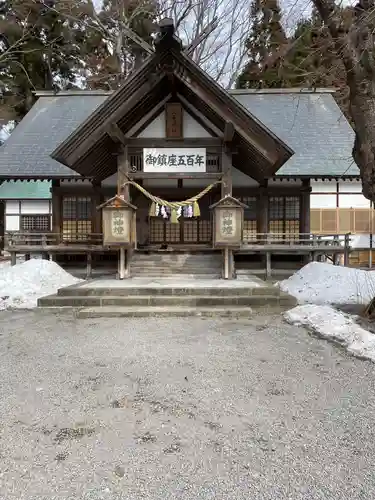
118 222
228 216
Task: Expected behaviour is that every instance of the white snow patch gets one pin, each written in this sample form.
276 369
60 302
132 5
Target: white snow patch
334 325
22 284
318 283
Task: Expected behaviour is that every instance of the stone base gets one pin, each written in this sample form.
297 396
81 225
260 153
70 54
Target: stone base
164 297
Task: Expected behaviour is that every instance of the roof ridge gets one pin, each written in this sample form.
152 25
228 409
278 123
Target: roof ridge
289 90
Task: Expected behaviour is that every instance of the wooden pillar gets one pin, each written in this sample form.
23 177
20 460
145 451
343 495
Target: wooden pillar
96 223
96 200
122 171
56 209
347 249
304 215
262 210
226 189
262 222
88 266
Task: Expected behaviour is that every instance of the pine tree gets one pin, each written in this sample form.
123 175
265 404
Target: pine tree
39 50
267 36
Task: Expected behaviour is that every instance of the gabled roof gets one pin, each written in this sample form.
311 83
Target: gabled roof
90 149
310 122
26 153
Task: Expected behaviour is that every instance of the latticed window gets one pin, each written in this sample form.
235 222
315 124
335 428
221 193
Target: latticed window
250 217
76 217
36 223
284 215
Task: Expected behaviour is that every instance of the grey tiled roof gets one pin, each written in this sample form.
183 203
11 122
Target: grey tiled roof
50 121
311 124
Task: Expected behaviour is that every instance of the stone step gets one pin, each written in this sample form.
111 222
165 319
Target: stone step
176 256
166 275
142 312
255 301
174 270
176 267
192 262
194 265
173 290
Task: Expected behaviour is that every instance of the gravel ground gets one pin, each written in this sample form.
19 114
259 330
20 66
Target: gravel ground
181 409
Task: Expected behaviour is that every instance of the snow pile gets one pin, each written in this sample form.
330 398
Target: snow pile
334 325
318 283
23 284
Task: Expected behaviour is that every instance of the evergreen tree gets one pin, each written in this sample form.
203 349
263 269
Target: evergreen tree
267 36
39 50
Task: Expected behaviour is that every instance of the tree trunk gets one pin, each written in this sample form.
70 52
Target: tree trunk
354 45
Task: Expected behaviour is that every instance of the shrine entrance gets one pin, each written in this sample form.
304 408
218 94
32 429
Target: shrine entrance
189 230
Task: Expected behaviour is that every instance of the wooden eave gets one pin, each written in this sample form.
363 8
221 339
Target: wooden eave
87 132
35 178
91 151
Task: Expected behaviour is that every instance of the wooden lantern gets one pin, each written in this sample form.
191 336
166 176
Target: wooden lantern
228 216
118 222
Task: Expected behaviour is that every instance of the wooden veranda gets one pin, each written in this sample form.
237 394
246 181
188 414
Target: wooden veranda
312 246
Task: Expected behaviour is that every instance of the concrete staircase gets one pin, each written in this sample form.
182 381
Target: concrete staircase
147 298
176 264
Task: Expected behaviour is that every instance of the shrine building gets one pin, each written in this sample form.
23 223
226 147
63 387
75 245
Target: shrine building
170 134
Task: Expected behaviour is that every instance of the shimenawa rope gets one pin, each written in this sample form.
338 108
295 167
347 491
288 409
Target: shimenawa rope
173 205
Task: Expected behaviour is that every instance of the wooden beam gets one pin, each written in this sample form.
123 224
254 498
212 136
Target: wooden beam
305 208
116 134
121 111
199 116
169 175
262 208
173 143
226 169
221 110
56 207
153 113
229 132
122 172
226 190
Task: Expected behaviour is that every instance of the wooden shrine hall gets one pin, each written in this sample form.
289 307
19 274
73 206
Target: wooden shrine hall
171 143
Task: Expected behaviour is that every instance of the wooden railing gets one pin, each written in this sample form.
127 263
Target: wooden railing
298 239
16 239
47 239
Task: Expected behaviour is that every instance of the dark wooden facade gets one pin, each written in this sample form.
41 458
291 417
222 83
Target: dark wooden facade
281 210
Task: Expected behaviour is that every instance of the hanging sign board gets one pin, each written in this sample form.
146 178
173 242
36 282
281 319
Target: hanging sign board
228 216
174 160
118 222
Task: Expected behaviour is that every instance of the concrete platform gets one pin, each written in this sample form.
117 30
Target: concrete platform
174 282
142 297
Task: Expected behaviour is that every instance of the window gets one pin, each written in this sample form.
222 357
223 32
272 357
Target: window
76 217
36 223
284 212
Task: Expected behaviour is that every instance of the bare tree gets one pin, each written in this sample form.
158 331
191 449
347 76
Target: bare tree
222 52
